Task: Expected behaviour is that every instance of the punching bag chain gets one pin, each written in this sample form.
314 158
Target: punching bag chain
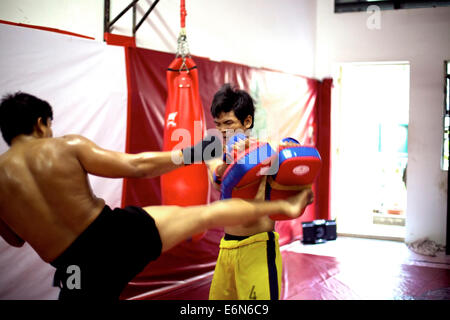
183 47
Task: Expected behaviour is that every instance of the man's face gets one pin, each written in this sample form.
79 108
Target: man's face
227 123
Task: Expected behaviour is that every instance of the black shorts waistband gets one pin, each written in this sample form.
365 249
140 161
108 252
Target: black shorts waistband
233 237
240 238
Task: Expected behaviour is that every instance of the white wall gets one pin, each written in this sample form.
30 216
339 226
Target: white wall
85 83
420 36
278 35
80 16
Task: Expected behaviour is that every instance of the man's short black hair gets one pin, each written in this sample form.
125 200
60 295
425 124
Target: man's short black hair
19 113
231 98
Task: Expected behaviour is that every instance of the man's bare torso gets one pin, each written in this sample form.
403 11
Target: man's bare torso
263 224
45 196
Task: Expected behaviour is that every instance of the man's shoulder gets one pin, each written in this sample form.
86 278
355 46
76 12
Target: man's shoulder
64 144
76 144
72 137
72 140
9 156
3 157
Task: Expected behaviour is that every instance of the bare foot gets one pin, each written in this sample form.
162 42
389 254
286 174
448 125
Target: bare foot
298 202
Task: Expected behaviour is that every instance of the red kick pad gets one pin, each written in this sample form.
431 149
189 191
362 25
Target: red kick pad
298 168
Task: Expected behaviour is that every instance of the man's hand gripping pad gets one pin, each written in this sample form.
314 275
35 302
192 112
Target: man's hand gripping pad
248 166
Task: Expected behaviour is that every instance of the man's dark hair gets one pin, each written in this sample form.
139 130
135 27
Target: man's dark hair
231 98
19 113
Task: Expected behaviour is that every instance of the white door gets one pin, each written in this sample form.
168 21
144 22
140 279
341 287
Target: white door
370 115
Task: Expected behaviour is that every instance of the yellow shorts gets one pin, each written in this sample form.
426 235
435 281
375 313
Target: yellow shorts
248 269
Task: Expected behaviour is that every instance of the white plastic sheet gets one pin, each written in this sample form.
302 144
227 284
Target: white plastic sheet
85 82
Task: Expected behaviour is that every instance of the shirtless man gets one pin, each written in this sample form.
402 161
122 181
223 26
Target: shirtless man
46 200
249 262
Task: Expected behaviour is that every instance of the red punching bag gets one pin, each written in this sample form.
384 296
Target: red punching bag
184 126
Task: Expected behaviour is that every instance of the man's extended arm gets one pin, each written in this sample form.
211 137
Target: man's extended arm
113 164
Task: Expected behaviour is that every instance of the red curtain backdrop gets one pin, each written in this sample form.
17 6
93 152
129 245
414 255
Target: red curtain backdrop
323 111
186 271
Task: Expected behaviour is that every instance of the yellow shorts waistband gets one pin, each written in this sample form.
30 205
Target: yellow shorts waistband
263 236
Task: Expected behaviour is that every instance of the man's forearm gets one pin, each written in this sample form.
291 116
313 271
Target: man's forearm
154 164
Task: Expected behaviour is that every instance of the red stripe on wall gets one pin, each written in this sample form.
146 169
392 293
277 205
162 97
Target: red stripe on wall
119 40
46 29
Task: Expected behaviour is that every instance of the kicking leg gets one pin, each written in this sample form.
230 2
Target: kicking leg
176 224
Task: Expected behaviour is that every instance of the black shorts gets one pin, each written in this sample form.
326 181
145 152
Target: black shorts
108 254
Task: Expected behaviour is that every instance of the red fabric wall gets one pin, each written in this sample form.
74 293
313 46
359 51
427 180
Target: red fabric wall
323 111
181 272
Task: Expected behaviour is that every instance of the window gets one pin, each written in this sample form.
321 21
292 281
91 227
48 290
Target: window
361 5
445 147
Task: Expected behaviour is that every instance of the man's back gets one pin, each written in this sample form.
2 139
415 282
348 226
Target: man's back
45 196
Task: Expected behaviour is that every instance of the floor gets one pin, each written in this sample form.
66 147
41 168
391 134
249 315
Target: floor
347 268
350 268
